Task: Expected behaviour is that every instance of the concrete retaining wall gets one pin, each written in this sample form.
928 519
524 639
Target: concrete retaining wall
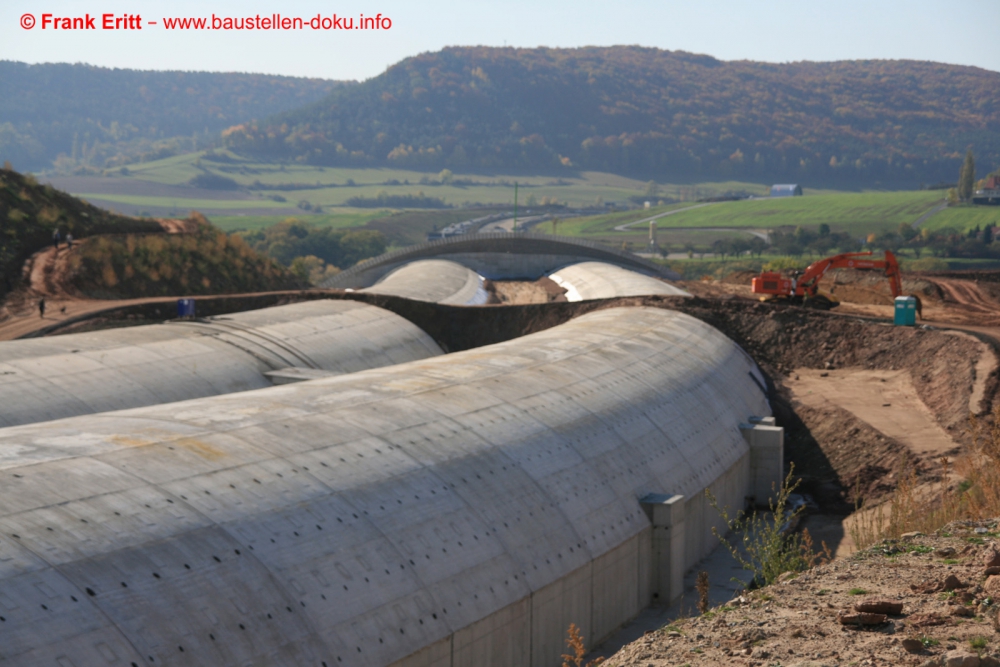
457 510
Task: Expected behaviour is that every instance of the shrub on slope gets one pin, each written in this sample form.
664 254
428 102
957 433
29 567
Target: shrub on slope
207 261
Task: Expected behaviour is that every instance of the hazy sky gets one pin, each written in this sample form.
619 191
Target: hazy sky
773 31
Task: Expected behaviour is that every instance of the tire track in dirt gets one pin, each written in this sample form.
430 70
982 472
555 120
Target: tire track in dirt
967 294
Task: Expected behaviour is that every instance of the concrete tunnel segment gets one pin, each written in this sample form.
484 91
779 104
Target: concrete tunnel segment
63 376
600 280
434 280
456 510
500 256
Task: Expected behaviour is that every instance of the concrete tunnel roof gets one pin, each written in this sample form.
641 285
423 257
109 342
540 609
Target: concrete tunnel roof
359 518
434 280
444 281
599 280
500 256
74 374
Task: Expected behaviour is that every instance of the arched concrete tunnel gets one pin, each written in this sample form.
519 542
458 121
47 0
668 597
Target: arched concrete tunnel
599 280
63 376
434 280
457 510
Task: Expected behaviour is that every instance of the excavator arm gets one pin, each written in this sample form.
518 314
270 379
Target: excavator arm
807 285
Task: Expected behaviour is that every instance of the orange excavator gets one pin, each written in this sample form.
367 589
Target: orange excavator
803 288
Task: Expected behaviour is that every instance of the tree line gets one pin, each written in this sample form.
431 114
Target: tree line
804 242
311 252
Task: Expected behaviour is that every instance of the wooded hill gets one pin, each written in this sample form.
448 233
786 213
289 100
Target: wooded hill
102 117
658 114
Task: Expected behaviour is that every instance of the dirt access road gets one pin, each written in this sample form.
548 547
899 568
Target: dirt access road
46 272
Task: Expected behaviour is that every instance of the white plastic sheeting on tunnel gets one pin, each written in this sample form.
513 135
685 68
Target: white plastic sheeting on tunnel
435 280
598 280
458 510
62 376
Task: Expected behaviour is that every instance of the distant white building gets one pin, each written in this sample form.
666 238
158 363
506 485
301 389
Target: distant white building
787 190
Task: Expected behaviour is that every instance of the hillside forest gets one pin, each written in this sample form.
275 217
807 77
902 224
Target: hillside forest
80 116
632 110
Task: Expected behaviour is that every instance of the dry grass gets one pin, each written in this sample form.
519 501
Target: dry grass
927 507
702 586
574 642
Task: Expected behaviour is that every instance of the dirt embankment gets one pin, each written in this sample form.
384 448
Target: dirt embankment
543 290
837 453
936 596
190 258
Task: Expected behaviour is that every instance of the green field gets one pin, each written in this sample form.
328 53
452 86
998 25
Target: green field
333 186
963 218
204 205
856 213
605 224
346 217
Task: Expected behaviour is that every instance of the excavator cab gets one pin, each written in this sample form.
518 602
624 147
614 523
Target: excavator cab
772 283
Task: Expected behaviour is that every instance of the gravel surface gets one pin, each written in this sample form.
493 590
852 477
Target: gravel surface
937 595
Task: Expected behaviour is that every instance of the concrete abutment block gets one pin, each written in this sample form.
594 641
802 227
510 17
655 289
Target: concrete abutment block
666 513
767 458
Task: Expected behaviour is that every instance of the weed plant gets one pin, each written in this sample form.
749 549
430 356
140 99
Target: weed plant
703 588
769 549
574 642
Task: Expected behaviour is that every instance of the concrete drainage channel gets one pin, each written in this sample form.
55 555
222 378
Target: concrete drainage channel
457 509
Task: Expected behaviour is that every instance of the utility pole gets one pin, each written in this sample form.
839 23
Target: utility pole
515 206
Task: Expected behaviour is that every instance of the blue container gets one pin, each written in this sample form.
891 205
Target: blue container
185 307
905 314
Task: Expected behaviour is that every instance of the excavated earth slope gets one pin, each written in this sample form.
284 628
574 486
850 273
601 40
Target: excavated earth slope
944 587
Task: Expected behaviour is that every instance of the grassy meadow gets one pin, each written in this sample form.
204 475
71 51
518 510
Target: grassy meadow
855 212
964 218
270 193
284 186
342 218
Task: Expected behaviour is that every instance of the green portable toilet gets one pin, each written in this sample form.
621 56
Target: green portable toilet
905 314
